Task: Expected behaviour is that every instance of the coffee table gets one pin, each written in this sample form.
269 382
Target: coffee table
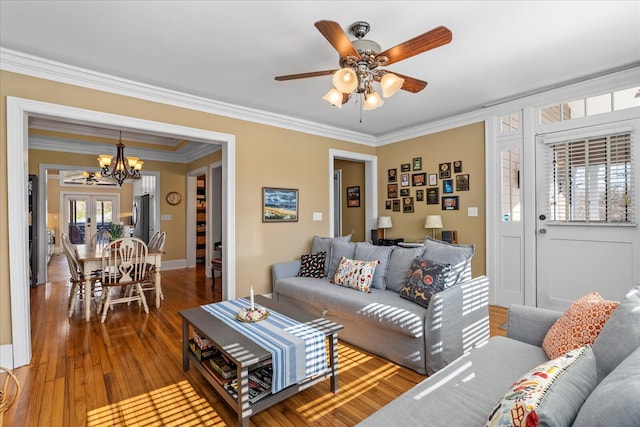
246 353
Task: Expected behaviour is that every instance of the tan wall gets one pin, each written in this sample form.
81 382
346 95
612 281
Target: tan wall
265 156
465 144
353 219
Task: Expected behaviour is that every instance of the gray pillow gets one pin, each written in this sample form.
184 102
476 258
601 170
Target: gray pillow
323 244
620 336
399 265
369 252
458 256
339 249
616 400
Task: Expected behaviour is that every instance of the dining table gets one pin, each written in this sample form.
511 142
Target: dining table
90 259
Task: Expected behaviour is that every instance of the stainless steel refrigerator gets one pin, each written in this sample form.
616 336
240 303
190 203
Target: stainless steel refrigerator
140 216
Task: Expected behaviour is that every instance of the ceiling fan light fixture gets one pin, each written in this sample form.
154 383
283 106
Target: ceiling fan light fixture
372 101
333 97
390 84
345 80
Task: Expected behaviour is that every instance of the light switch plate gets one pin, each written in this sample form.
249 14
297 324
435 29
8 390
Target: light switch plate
166 217
317 216
472 211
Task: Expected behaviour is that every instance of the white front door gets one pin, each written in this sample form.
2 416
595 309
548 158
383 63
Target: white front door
587 239
85 214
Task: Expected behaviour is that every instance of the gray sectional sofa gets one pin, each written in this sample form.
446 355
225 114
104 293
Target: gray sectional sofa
383 323
605 393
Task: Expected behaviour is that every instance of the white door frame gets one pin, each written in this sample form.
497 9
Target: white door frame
370 182
18 112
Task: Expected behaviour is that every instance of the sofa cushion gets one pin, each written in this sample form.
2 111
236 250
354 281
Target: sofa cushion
616 400
339 249
579 325
399 263
369 252
424 280
550 394
323 244
355 274
620 336
312 265
458 256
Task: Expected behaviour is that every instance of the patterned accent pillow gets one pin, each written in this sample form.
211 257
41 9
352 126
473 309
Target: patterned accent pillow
355 274
424 280
579 325
550 394
312 265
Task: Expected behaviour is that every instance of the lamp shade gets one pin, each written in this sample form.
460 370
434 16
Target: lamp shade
390 84
384 222
345 80
372 101
433 221
333 97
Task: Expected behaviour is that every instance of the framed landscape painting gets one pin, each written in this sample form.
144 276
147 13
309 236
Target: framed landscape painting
279 204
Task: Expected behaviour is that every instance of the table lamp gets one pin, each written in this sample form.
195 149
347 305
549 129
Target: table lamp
433 222
383 223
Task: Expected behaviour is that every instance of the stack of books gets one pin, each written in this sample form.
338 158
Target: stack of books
201 347
259 384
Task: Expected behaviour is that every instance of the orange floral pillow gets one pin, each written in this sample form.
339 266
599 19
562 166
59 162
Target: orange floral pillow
579 325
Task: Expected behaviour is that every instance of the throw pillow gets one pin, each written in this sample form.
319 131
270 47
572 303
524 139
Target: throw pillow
616 400
424 279
339 249
312 265
579 325
369 252
620 336
458 256
355 274
399 263
323 244
550 394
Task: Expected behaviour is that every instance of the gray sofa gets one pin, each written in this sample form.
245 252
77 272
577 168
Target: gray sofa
467 390
383 323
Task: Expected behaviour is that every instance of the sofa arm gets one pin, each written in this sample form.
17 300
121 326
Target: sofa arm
457 320
530 324
284 270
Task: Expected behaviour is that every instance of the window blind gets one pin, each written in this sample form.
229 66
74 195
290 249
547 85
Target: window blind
590 180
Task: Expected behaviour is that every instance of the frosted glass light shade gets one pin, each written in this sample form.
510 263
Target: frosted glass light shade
390 84
333 97
373 101
345 80
384 222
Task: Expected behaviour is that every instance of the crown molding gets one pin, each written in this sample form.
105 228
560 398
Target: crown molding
22 63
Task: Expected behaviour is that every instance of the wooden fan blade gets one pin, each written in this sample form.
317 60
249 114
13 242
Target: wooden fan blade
332 31
305 75
430 40
410 84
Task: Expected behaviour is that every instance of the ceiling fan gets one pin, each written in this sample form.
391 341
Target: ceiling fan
88 178
360 60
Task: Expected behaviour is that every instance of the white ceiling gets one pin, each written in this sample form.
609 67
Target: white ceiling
230 51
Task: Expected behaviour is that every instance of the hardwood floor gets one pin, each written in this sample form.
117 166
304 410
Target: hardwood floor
128 370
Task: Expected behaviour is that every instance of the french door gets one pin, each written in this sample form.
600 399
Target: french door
86 214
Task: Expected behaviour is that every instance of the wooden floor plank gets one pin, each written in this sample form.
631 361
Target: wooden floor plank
128 370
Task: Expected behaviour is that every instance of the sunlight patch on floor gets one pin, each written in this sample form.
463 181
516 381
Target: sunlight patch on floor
175 405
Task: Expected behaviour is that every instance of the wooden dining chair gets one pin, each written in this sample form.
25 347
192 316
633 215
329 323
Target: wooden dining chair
9 390
124 268
156 244
77 279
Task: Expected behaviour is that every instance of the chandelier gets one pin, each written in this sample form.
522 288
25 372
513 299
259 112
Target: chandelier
356 75
122 169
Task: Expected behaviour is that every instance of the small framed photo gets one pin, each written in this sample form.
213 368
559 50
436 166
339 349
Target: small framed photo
433 196
445 170
353 197
450 203
396 205
419 195
407 204
417 163
447 186
433 179
404 180
392 175
418 179
392 191
457 166
405 167
387 205
279 205
405 192
462 182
